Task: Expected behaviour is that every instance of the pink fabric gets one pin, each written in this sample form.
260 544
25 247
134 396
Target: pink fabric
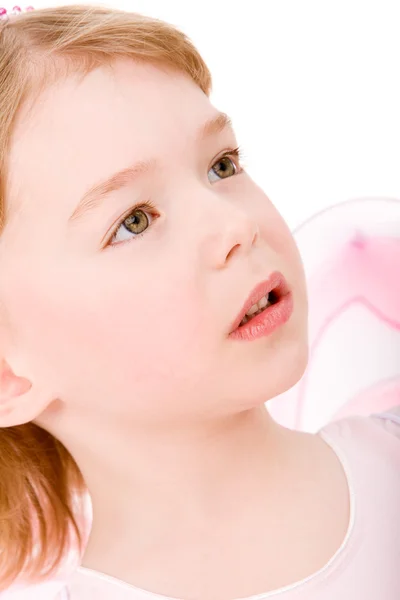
351 256
367 564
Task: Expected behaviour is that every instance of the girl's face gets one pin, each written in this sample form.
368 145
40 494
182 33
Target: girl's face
124 312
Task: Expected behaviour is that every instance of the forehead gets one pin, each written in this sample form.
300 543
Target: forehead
80 130
108 98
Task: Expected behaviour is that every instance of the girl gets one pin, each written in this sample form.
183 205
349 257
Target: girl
153 300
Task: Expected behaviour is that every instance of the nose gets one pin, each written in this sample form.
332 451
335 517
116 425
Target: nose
231 231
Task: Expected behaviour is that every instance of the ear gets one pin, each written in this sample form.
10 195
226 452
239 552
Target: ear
18 404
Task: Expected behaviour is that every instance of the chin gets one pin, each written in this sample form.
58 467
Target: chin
296 368
268 381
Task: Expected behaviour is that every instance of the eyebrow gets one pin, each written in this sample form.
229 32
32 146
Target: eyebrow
95 196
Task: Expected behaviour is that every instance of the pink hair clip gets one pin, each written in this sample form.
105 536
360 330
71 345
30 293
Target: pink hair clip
4 14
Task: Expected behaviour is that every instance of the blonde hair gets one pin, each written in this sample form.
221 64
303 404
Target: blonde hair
38 476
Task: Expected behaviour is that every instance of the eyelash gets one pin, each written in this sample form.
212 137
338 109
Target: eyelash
237 156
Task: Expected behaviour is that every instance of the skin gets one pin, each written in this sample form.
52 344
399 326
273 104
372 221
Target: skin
123 352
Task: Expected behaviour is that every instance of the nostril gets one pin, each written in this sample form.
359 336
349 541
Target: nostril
232 251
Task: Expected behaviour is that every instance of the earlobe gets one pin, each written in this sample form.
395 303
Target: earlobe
12 389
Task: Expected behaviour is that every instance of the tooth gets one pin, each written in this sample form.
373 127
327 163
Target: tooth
263 302
252 310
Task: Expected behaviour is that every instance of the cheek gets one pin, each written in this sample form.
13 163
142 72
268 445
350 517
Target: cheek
275 231
110 331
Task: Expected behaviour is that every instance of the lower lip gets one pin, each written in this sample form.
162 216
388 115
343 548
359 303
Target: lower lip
266 322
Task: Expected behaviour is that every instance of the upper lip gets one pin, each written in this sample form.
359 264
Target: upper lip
275 281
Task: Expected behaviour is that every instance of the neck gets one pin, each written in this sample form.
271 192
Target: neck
142 480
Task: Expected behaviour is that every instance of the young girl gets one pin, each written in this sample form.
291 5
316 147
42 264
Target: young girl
152 301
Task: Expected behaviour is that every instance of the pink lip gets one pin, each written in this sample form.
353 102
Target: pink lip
275 315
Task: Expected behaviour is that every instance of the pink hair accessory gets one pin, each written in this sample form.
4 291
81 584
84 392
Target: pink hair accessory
4 14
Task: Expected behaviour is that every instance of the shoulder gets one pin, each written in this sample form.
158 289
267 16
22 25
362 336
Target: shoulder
389 420
373 440
50 590
380 423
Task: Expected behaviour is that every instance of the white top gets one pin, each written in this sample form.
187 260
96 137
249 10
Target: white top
365 566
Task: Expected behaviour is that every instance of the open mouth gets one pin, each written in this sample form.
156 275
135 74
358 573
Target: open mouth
265 295
268 300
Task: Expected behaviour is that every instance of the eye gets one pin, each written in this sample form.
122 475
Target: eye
139 219
226 166
133 224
